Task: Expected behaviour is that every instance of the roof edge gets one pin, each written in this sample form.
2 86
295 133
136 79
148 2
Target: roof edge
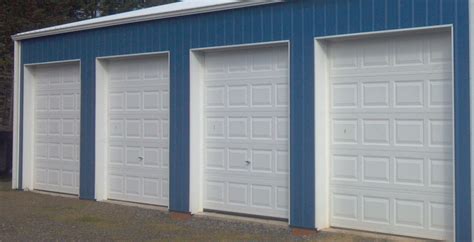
135 19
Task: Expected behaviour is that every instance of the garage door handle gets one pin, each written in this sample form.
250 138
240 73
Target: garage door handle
140 158
248 162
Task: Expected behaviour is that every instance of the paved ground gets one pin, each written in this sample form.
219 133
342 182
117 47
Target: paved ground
29 216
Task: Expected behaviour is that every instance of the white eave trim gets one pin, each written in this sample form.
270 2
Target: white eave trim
142 18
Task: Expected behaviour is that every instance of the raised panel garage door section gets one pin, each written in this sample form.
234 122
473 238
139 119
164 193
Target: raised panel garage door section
246 135
138 122
57 127
391 119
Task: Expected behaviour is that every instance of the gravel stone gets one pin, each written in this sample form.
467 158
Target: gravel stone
30 216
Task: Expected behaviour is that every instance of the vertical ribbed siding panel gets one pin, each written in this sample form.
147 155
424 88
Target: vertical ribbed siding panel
406 13
44 49
286 21
186 101
277 23
87 144
393 16
342 16
185 89
179 201
331 18
179 168
447 11
462 123
306 210
419 13
202 33
367 15
434 12
247 28
256 26
354 16
267 25
147 35
219 29
298 21
296 127
302 118
380 19
229 28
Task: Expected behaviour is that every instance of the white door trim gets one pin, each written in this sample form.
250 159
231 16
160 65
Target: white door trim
196 111
29 121
101 117
322 106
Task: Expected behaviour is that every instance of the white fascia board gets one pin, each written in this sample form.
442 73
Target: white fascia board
141 16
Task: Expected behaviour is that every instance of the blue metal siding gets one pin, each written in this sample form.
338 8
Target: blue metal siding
298 21
462 123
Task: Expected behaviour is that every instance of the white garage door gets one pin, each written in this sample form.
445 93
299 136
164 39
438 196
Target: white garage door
392 140
246 131
138 114
57 127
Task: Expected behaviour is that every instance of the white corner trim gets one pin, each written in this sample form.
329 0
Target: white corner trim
322 136
28 128
196 62
101 134
16 115
471 98
140 18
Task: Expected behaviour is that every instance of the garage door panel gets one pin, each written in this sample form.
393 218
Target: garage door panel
397 93
245 62
151 190
138 132
264 127
233 160
258 177
380 212
432 172
124 115
382 182
133 100
153 85
246 131
147 68
137 171
255 96
239 143
399 131
265 198
56 137
408 54
392 135
139 142
435 112
401 70
236 78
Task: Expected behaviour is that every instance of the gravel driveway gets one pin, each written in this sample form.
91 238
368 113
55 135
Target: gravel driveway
29 216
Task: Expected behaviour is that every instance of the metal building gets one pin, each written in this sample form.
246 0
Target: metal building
345 113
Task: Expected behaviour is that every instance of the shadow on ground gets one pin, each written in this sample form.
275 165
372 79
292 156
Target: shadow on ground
28 216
